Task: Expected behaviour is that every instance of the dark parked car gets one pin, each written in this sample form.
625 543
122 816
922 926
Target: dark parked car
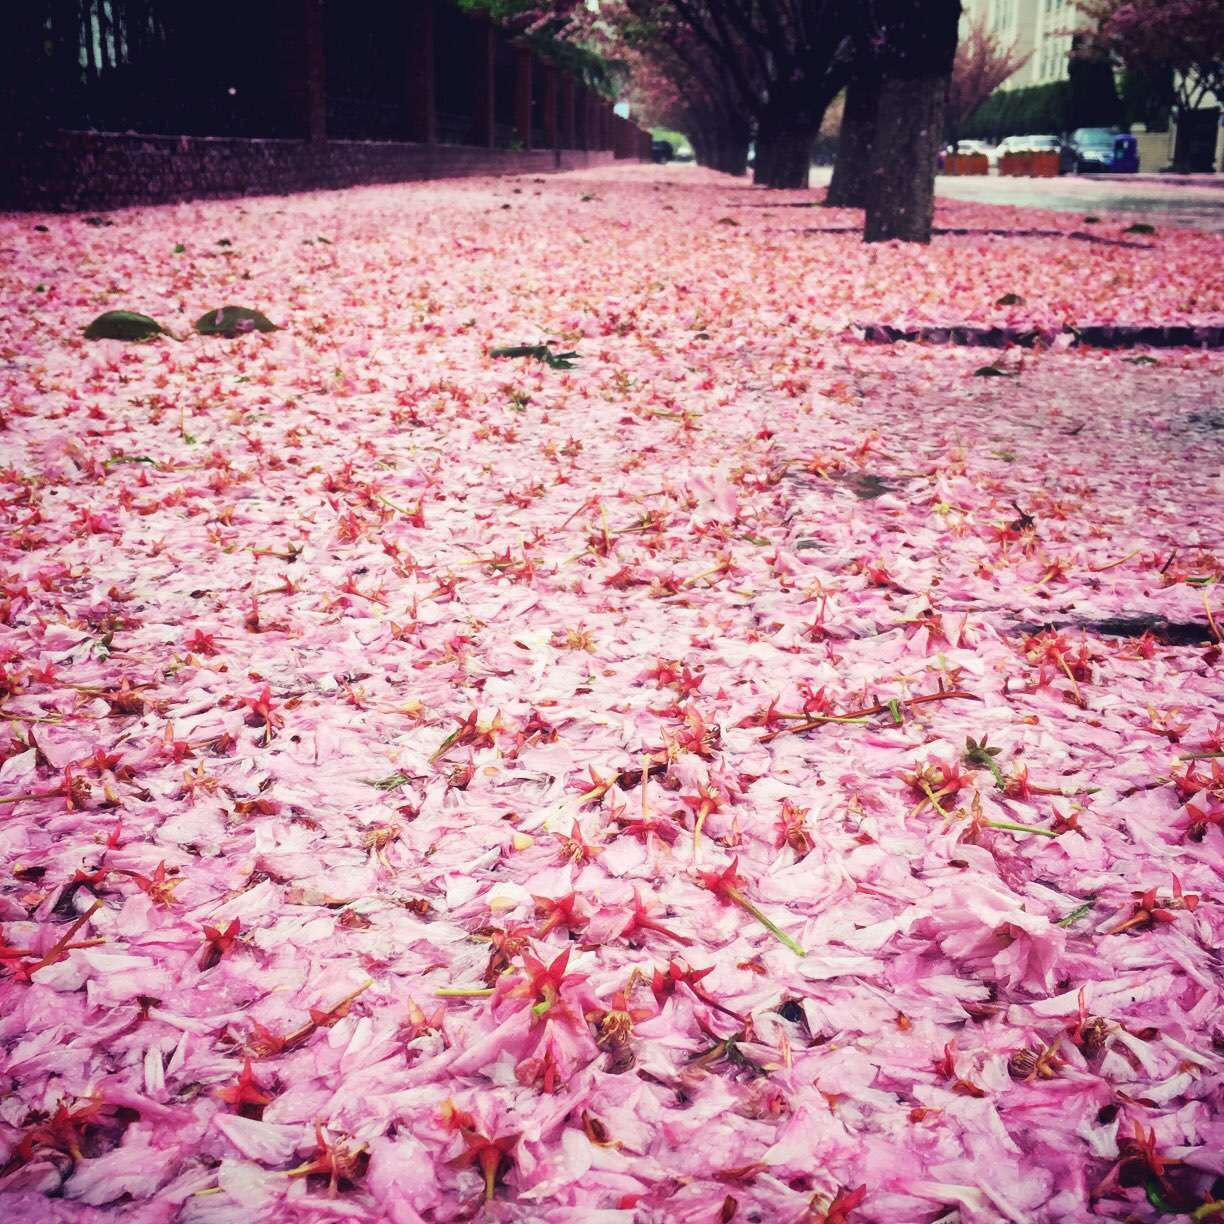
661 151
1102 150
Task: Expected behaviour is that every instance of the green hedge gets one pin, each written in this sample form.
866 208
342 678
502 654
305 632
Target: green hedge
1021 112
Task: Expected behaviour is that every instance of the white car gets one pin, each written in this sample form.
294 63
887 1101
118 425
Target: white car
1028 144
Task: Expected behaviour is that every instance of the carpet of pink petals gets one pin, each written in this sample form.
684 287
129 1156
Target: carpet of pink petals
406 753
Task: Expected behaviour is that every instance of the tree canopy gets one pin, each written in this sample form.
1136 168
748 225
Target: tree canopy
1186 36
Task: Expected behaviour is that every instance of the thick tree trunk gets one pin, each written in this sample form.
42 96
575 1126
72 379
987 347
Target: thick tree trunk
732 155
730 144
916 62
783 154
900 196
848 187
721 148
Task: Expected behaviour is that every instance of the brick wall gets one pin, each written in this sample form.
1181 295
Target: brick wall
91 171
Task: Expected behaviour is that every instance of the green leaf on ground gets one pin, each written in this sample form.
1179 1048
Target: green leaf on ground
1080 911
123 325
1140 227
231 321
993 371
389 783
1010 299
541 352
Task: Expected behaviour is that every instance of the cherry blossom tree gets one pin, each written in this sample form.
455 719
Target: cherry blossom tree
893 120
983 62
691 95
1185 35
781 61
917 45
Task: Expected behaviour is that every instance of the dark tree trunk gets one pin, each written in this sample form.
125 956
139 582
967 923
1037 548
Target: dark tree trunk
1094 93
783 153
916 62
730 148
900 196
848 187
721 147
732 154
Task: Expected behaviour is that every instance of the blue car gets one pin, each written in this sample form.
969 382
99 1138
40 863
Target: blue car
1102 151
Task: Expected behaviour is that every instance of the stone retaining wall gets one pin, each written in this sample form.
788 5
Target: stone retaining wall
92 171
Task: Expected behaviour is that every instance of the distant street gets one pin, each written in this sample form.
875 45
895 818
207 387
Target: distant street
1197 205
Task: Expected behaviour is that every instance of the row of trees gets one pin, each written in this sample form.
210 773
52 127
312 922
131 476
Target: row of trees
730 73
733 72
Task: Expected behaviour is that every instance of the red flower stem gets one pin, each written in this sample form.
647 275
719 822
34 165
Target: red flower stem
29 795
490 1158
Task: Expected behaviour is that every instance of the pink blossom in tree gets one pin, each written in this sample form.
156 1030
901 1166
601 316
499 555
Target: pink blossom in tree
983 62
1185 35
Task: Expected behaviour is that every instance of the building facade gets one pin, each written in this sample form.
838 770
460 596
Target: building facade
1039 29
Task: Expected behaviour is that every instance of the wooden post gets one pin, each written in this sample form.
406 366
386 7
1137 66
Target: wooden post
30 88
522 96
484 90
315 76
580 115
568 112
552 129
421 92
